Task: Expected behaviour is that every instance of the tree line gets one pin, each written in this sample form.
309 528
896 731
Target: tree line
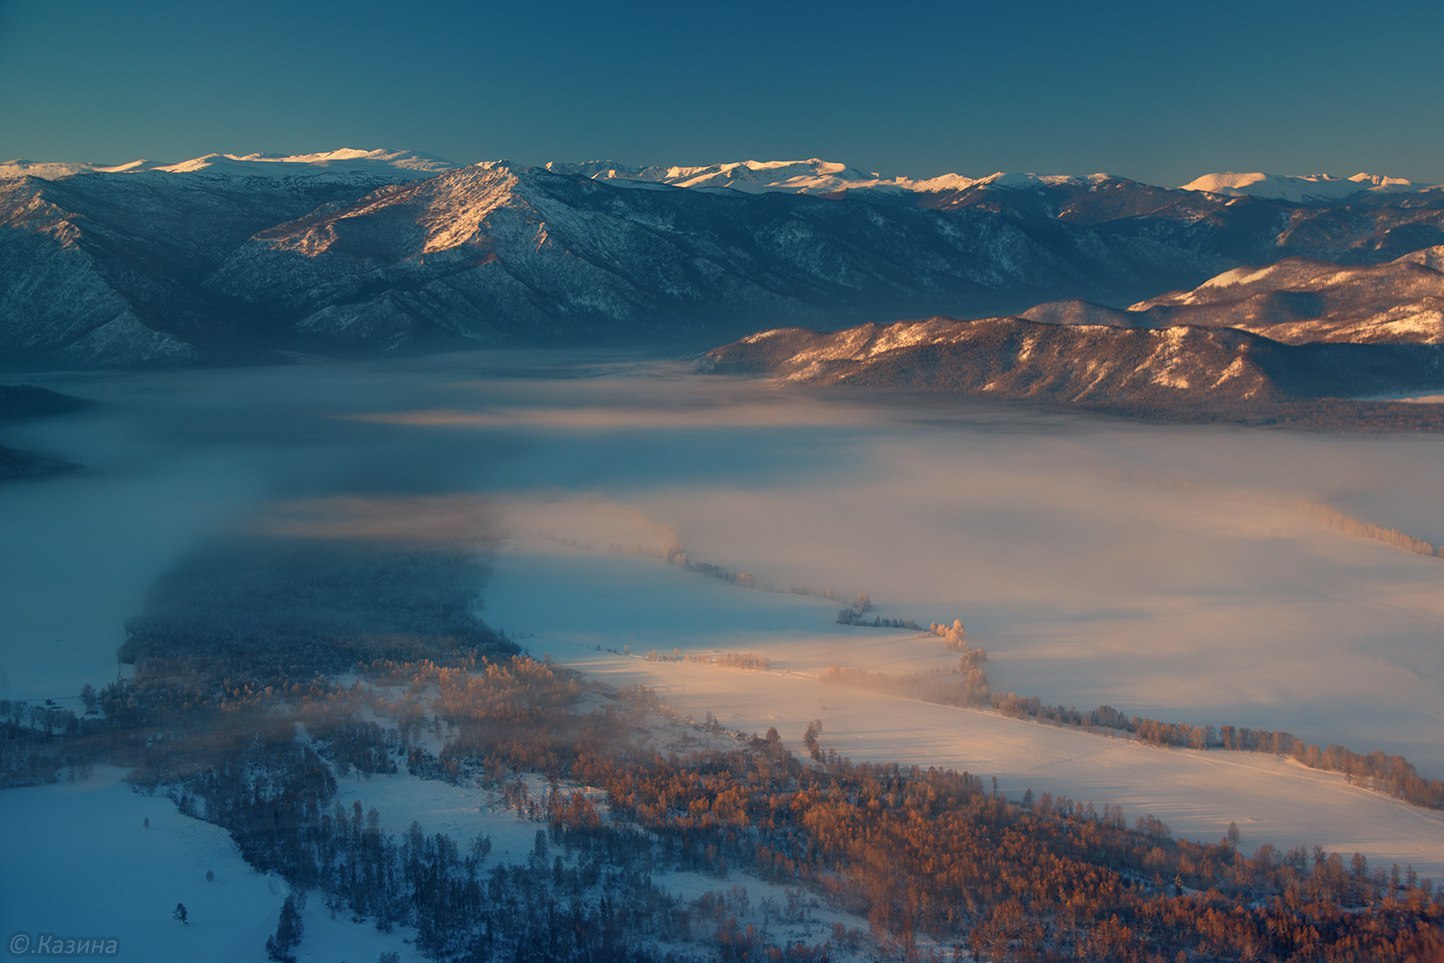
930 858
270 610
968 685
1387 773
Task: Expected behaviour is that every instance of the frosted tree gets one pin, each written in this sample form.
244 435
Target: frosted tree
287 935
809 739
954 636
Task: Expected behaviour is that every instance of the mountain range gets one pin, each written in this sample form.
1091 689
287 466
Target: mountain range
1298 340
1165 370
233 258
1296 300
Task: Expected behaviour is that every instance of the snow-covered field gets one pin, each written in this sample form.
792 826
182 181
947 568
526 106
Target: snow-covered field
99 860
464 812
617 609
80 862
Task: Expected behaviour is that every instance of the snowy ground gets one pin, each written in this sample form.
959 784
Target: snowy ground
614 601
80 862
461 812
88 866
464 812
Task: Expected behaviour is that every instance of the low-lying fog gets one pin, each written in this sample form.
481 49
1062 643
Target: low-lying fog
1181 572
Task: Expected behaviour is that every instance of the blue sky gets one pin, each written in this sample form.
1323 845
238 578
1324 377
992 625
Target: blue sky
1158 91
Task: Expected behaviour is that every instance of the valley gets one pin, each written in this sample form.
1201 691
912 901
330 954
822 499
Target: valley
578 632
1186 574
521 483
352 253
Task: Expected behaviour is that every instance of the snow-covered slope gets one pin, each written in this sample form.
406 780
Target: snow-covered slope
499 254
139 857
54 170
345 163
813 176
1300 189
1296 300
1090 365
239 256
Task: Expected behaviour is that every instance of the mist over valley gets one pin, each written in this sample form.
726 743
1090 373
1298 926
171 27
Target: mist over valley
1190 573
462 562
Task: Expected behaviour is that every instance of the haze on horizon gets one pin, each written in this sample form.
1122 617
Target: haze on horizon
1157 94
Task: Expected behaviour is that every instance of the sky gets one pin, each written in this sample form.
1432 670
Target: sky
1157 91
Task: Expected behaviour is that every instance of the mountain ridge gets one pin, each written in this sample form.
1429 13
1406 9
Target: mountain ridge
1295 300
811 175
342 162
144 266
1176 373
1302 188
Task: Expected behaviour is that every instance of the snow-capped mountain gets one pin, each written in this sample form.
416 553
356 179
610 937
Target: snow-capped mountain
1301 189
395 165
1296 300
55 170
812 176
229 257
817 176
497 254
1167 370
346 163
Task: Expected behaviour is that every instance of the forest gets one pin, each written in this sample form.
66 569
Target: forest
263 609
935 862
235 711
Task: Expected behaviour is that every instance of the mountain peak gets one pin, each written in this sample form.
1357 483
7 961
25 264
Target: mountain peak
56 170
1296 188
596 169
1024 180
345 161
810 175
1381 180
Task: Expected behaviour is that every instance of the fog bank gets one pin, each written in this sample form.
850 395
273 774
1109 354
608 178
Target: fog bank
1177 572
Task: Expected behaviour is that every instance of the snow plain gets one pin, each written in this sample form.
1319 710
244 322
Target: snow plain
1198 794
87 865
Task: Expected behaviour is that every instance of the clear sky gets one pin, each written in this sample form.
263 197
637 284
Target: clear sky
1161 91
